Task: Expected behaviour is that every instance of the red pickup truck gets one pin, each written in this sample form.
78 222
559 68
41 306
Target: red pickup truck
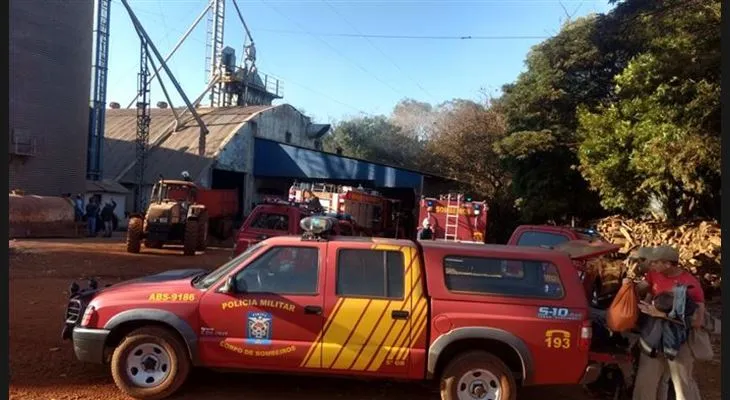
481 319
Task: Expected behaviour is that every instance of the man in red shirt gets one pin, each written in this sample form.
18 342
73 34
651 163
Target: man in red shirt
663 274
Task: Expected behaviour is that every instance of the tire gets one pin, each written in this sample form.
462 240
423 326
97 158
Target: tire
168 349
463 368
202 231
190 241
153 244
134 235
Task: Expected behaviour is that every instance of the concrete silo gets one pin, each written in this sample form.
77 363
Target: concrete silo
50 73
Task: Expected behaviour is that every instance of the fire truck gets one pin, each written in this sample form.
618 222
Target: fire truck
455 217
373 213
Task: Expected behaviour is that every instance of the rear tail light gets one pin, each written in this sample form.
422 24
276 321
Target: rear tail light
586 334
89 316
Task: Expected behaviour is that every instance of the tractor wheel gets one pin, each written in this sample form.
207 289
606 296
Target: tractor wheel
134 234
478 375
202 231
190 241
153 244
151 363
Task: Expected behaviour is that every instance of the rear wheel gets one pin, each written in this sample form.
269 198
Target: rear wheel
202 231
190 241
150 364
477 375
134 234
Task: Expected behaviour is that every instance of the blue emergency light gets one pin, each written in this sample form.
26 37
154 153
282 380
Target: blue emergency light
316 224
429 205
477 209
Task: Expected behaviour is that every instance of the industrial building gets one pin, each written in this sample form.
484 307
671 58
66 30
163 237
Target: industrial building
64 139
50 78
258 150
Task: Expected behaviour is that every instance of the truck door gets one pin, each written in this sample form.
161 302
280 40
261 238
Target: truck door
376 310
277 317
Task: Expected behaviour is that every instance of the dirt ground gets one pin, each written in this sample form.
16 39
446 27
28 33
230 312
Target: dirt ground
43 366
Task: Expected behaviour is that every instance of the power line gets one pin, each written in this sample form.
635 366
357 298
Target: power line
304 30
415 37
379 50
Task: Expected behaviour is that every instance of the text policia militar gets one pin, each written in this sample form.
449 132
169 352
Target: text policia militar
266 303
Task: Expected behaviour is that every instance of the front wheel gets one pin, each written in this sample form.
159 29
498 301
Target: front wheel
134 234
477 375
150 364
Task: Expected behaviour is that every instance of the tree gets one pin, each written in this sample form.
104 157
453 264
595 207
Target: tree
416 119
375 139
659 137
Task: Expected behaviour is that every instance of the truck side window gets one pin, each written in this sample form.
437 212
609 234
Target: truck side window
282 270
370 273
500 277
276 222
537 239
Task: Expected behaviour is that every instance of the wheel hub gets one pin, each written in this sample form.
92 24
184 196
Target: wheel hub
148 365
479 384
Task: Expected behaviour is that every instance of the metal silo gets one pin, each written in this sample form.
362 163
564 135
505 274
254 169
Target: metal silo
50 73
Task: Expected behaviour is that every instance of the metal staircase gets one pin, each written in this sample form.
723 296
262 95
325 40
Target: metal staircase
451 226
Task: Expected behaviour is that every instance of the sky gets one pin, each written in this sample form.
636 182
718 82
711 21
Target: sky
331 76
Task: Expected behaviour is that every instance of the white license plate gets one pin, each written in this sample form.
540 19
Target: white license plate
163 220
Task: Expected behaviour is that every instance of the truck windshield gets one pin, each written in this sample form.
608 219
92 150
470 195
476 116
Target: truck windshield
212 277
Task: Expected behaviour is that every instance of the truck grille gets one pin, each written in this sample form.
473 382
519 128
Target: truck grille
73 311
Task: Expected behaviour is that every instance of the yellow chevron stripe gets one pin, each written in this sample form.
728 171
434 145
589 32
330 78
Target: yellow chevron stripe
398 327
378 337
361 332
416 331
316 347
336 336
402 342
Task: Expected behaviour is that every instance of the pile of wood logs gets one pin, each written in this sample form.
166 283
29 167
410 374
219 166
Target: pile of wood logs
699 243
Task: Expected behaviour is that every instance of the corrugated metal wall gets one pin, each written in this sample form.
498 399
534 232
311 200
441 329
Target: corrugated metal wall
50 73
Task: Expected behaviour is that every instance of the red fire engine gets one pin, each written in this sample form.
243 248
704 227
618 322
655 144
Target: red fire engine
454 217
374 214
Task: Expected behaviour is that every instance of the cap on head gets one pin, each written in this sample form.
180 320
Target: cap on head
642 252
664 253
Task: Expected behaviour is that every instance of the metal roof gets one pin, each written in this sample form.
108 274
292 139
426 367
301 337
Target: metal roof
179 151
105 186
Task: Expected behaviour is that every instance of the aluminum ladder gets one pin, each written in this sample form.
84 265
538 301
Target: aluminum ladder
451 226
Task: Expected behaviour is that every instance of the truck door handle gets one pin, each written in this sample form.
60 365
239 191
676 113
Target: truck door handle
399 314
316 310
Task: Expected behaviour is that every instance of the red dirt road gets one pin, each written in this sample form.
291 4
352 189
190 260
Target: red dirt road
43 366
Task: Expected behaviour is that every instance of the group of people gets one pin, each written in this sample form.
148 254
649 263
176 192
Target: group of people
98 217
672 305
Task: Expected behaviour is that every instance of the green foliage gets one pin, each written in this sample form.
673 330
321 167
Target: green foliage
376 139
660 136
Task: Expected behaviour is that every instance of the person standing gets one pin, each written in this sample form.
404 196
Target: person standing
107 217
425 233
92 211
664 273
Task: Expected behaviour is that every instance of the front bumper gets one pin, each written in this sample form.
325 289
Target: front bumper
89 344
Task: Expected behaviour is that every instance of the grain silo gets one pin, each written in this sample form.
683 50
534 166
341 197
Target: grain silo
50 73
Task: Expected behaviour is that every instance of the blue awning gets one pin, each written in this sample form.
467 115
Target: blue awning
278 160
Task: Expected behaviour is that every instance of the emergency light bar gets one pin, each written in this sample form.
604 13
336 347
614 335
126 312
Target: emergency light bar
316 225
